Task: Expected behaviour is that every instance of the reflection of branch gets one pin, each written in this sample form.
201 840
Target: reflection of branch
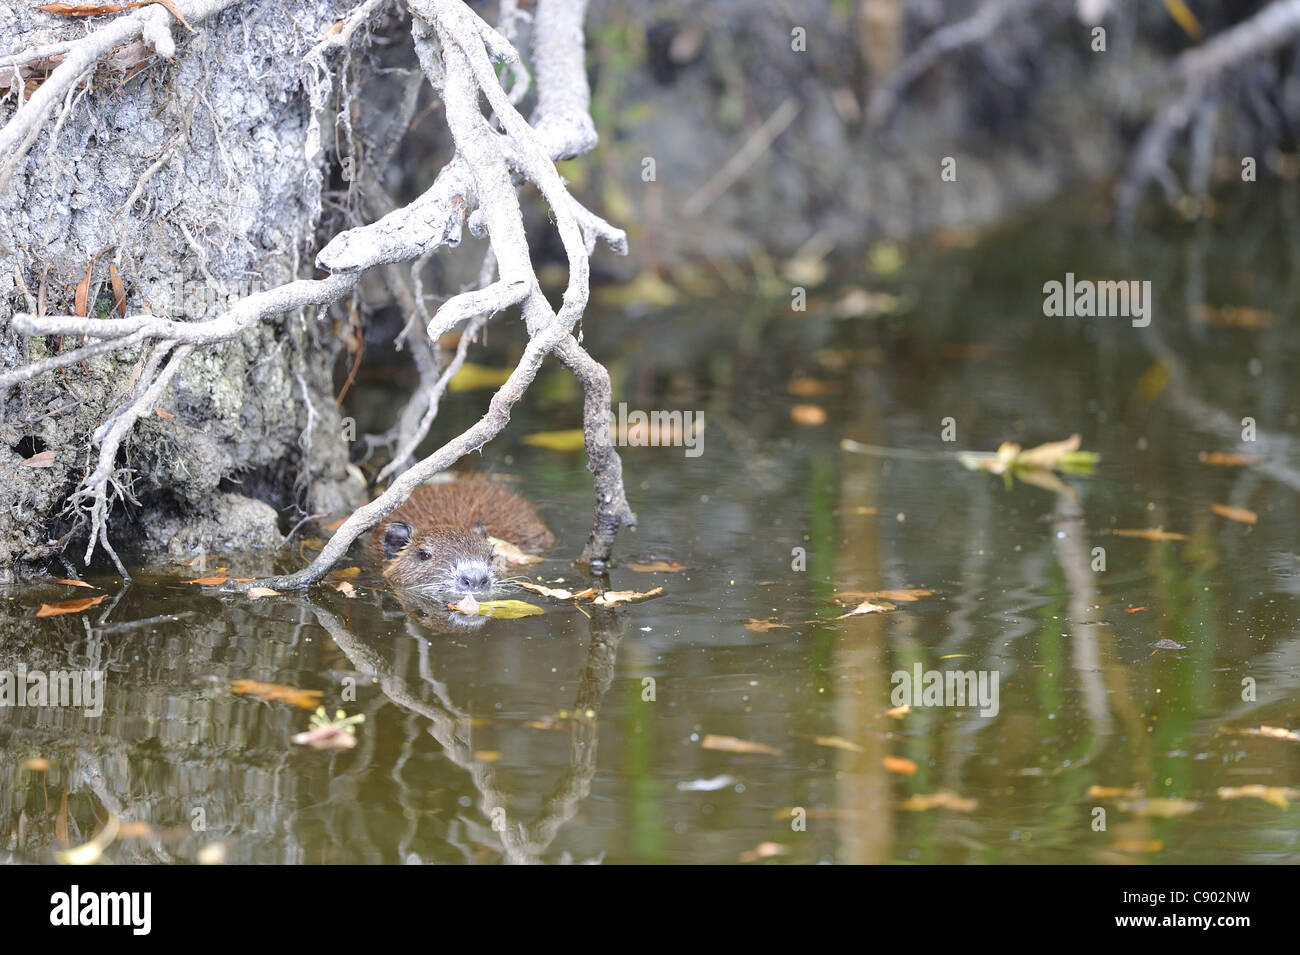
452 727
954 36
1070 533
1199 68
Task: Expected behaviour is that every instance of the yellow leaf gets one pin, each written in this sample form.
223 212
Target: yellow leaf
572 440
1151 534
508 609
833 742
1185 18
1279 796
940 800
899 764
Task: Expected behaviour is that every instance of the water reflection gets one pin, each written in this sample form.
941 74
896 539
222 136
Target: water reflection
481 736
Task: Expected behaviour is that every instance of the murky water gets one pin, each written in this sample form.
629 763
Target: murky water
579 735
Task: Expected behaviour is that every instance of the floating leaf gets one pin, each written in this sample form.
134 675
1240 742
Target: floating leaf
811 387
706 785
1222 460
866 607
899 764
733 744
940 800
345 588
1239 514
611 597
764 850
1232 316
1270 732
833 742
898 712
1114 792
74 583
255 593
276 693
69 606
1136 609
508 609
487 756
345 573
1279 796
902 596
1169 645
558 593
658 566
810 416
214 581
472 377
762 626
512 554
1150 534
572 440
1160 807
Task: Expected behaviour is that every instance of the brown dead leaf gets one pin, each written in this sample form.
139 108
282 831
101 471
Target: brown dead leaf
345 588
75 583
1113 792
810 416
658 566
1279 796
611 597
733 744
866 607
1239 514
1150 534
256 593
99 9
1136 609
119 289
277 693
811 387
899 764
1222 460
1270 732
215 580
832 742
940 800
82 294
70 606
44 459
512 554
762 626
558 593
165 415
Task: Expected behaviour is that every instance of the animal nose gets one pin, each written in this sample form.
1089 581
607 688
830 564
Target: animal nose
474 581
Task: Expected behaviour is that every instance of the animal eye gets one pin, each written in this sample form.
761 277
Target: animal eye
424 555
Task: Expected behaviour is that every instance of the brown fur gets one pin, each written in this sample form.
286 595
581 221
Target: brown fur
444 517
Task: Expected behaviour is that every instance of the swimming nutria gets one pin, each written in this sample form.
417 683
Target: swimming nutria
437 541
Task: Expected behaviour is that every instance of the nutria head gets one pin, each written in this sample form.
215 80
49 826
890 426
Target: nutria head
440 560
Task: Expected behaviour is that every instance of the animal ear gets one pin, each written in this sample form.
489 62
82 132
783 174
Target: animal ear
480 530
395 538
